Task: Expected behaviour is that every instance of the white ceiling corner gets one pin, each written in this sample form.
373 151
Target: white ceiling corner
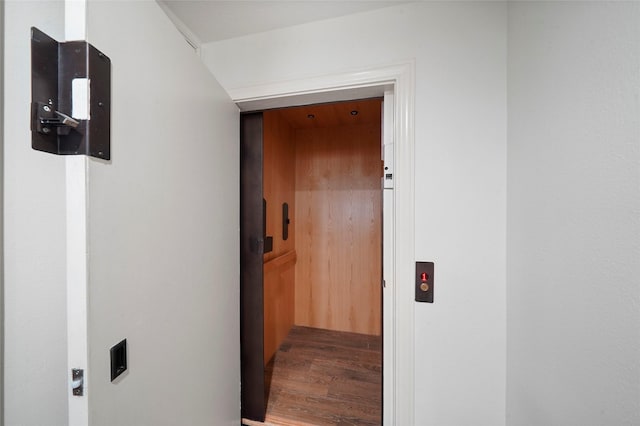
205 21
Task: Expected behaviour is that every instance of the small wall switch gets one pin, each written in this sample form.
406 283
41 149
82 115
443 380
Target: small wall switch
424 282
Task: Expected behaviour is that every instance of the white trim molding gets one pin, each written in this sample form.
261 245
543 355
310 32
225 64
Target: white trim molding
76 176
350 85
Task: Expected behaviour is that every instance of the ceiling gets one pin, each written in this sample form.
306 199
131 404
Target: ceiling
205 21
365 111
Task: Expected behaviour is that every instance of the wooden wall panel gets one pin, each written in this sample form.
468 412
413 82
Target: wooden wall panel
338 228
279 272
279 277
279 179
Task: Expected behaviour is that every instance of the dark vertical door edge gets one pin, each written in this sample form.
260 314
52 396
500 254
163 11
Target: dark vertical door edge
253 401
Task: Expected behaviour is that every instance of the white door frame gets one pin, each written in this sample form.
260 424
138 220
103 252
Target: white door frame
398 315
1 213
76 175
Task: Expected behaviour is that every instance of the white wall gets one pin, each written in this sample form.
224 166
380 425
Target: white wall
163 231
34 246
1 212
460 55
574 214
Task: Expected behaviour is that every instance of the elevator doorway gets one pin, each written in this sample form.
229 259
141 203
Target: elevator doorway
321 239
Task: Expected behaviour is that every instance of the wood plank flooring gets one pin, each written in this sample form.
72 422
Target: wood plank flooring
321 377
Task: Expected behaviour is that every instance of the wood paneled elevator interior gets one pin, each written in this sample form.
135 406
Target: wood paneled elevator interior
322 163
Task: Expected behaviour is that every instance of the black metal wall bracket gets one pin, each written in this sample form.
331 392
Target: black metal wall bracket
70 97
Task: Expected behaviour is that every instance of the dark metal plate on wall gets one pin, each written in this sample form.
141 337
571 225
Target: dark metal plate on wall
424 281
54 67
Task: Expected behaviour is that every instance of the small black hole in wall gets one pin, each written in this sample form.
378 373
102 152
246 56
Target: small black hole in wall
118 359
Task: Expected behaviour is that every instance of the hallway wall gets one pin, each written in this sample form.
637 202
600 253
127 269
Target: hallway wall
163 231
573 214
459 50
35 346
1 212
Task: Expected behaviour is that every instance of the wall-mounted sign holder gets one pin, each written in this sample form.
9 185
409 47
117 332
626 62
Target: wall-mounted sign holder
70 97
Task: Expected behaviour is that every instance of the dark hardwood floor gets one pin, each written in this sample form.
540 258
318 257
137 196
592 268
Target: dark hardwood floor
322 377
